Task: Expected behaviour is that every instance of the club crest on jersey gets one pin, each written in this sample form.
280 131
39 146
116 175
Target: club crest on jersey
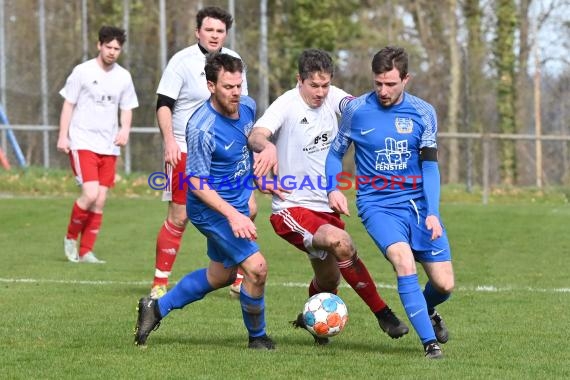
404 125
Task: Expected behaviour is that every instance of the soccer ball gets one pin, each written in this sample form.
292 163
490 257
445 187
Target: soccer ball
325 315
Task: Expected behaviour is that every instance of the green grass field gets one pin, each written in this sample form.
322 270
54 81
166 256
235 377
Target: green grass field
509 316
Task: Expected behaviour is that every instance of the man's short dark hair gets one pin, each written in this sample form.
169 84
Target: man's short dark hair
110 33
389 58
314 60
216 13
215 62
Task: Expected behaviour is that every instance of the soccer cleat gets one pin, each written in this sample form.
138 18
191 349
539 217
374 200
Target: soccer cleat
148 319
261 343
433 351
235 287
439 327
158 291
300 323
70 249
390 324
90 258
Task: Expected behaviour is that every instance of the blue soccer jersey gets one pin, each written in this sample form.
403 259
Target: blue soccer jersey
218 153
387 143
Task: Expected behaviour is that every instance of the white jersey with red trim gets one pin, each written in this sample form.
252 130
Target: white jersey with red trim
184 80
97 95
303 136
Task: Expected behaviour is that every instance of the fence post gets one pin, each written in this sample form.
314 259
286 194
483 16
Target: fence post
486 167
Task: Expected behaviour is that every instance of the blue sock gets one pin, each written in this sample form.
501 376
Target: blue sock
415 306
193 287
433 297
253 311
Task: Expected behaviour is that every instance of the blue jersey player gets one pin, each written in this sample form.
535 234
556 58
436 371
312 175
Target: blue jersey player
397 180
218 172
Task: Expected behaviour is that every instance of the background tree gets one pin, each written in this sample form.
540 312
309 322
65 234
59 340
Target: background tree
505 61
453 157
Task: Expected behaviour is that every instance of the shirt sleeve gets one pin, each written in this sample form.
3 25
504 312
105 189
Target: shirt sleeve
429 118
171 81
339 98
201 145
72 88
274 116
129 98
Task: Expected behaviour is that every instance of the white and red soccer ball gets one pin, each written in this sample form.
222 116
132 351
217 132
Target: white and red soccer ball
325 315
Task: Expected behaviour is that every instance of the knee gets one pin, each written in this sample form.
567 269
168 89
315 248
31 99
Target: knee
342 247
99 204
89 198
444 286
329 284
258 275
177 217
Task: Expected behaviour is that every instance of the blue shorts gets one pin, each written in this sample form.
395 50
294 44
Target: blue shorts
222 246
405 222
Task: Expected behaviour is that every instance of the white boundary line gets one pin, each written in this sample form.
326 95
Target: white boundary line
476 288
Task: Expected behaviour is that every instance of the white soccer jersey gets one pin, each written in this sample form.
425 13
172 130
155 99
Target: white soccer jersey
303 136
97 95
184 80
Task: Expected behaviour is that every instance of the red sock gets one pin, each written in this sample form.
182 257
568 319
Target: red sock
315 289
90 232
356 275
167 246
76 221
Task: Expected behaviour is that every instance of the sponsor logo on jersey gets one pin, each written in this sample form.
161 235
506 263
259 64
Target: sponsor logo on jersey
318 143
394 155
404 125
304 121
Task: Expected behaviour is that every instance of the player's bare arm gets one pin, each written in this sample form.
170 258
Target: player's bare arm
122 137
64 121
172 153
265 161
242 226
338 202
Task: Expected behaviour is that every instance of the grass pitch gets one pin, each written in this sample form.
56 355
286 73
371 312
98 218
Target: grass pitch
508 318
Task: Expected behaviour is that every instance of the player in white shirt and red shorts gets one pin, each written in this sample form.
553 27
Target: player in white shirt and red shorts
182 90
301 124
92 136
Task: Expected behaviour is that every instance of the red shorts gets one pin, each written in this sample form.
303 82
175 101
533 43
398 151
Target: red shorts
90 166
297 225
174 192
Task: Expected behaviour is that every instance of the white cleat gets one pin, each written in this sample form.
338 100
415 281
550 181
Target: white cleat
235 287
70 250
90 258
